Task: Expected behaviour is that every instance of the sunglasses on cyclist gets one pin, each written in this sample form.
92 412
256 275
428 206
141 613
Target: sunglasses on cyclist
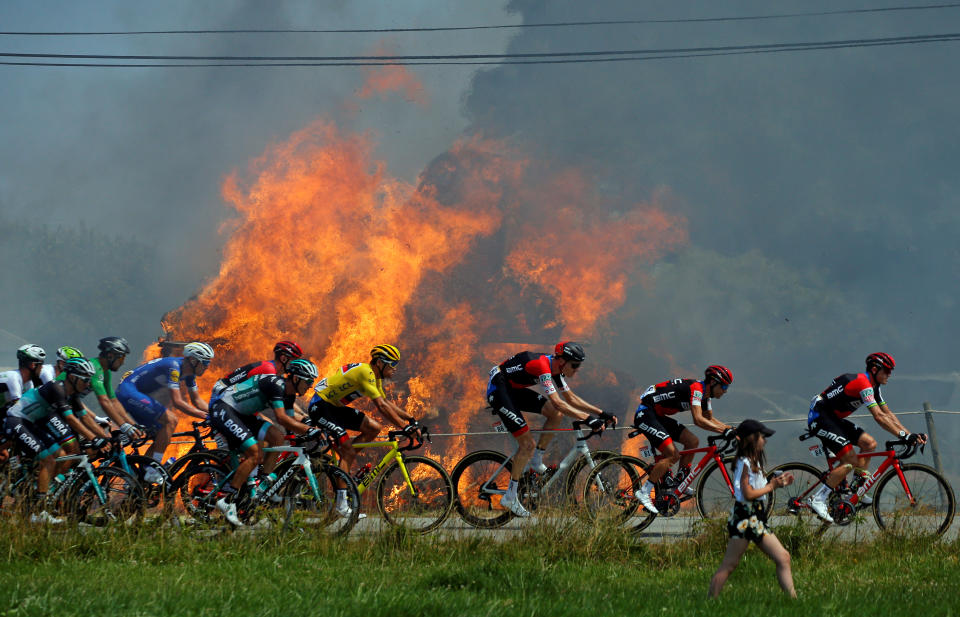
723 386
390 363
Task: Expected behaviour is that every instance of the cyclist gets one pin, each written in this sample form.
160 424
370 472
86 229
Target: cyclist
827 420
42 421
652 418
149 392
329 407
31 372
113 353
70 446
236 414
283 353
536 383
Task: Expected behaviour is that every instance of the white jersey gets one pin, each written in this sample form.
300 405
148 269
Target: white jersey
12 386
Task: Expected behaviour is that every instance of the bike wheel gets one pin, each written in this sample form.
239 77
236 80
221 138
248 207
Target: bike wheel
930 511
119 498
609 493
198 490
714 496
576 480
422 509
788 505
306 509
475 480
190 462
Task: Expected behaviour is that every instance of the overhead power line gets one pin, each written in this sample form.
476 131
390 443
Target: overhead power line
506 59
468 59
558 24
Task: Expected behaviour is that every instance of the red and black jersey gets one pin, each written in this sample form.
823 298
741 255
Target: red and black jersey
846 393
266 367
669 397
529 369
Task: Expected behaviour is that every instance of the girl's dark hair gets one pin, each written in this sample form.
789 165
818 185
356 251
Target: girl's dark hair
747 446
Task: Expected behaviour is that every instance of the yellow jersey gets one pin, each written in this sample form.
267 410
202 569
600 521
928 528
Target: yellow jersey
351 382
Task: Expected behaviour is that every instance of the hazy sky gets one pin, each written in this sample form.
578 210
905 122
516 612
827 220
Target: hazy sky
820 188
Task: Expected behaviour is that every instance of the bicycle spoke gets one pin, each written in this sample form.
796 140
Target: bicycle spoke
418 512
478 486
929 512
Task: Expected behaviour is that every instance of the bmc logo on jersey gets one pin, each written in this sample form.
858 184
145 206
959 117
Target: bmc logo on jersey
514 369
664 397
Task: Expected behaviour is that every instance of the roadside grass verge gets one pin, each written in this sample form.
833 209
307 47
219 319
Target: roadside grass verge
553 568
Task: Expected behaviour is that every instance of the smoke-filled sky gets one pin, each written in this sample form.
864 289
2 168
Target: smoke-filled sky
820 189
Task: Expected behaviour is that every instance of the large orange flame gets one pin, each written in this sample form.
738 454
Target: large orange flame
490 247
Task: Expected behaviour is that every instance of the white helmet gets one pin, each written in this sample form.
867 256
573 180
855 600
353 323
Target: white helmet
31 353
200 351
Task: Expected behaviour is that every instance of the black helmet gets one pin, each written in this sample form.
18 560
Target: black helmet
569 350
116 344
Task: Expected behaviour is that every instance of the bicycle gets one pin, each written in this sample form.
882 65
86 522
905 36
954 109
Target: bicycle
910 498
480 478
413 492
87 494
308 496
611 489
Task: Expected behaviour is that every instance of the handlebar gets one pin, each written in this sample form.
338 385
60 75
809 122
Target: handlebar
412 441
581 424
728 442
909 445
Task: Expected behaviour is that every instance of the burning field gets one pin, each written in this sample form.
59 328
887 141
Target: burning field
491 252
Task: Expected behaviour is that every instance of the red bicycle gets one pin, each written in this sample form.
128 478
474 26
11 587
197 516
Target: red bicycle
910 498
611 489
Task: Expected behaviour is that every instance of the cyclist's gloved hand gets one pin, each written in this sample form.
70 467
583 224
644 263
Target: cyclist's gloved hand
730 433
314 433
412 430
608 418
128 429
596 424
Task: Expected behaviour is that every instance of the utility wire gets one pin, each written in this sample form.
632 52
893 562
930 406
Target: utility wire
558 24
472 59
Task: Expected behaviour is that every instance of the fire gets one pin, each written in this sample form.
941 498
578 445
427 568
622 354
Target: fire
392 78
330 250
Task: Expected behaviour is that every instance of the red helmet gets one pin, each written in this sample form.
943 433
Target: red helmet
881 360
289 348
720 374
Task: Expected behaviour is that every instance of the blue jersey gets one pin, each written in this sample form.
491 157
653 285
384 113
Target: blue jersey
157 375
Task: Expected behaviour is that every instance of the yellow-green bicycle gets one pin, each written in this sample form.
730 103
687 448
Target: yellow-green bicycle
413 492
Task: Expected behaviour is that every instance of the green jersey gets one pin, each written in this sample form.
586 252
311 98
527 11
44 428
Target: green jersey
102 381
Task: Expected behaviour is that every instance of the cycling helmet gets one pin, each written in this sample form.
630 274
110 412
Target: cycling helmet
386 352
31 353
81 367
881 360
200 351
720 374
66 352
116 344
302 368
289 348
569 350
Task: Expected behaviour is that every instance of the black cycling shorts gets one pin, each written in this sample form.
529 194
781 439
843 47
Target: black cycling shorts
31 439
241 431
335 419
510 403
659 430
837 434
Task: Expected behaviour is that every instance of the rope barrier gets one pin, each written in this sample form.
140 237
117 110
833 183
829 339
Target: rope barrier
627 428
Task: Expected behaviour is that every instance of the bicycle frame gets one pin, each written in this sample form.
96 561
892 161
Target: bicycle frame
890 459
374 473
711 454
301 461
83 463
579 448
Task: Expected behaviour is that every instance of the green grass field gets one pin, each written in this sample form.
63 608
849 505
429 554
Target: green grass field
554 570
